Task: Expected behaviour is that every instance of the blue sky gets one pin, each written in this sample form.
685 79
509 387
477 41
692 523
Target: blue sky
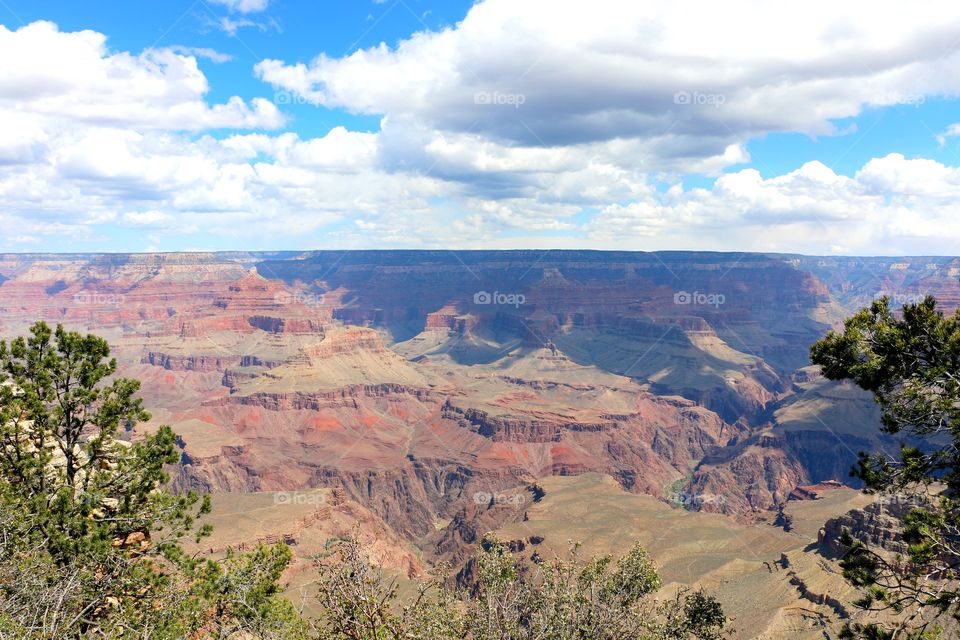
294 30
273 124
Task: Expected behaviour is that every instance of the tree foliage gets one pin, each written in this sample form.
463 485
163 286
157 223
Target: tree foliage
90 539
910 362
564 599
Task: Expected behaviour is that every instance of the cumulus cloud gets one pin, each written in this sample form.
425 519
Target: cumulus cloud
506 130
247 186
810 210
546 74
332 191
73 77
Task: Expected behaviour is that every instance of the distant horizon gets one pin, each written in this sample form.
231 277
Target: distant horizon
472 251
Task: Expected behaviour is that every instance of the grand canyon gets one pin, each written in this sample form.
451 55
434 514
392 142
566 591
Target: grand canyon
479 320
422 398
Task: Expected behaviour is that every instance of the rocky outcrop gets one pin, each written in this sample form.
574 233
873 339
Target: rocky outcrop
819 598
878 525
448 319
351 340
804 591
189 363
345 396
756 478
453 543
513 429
287 325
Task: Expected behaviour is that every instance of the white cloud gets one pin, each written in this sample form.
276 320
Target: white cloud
243 6
495 134
285 190
951 132
73 77
250 186
680 92
918 179
230 26
810 210
202 52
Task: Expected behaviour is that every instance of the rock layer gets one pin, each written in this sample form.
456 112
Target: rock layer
412 381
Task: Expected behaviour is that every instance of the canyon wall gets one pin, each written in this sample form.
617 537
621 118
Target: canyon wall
414 382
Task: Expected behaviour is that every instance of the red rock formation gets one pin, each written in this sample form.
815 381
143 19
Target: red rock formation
283 371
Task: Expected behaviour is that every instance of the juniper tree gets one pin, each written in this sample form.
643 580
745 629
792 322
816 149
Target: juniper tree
90 536
910 362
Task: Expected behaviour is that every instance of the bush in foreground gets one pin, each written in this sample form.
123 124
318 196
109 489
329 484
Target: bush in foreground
563 599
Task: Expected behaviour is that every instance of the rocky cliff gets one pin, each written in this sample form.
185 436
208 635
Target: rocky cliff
412 381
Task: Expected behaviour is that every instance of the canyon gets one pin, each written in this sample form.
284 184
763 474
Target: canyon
426 397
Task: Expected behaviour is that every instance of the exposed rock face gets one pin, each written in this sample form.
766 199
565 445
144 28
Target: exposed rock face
410 381
287 325
754 475
189 363
448 319
878 525
813 436
453 543
854 282
409 487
